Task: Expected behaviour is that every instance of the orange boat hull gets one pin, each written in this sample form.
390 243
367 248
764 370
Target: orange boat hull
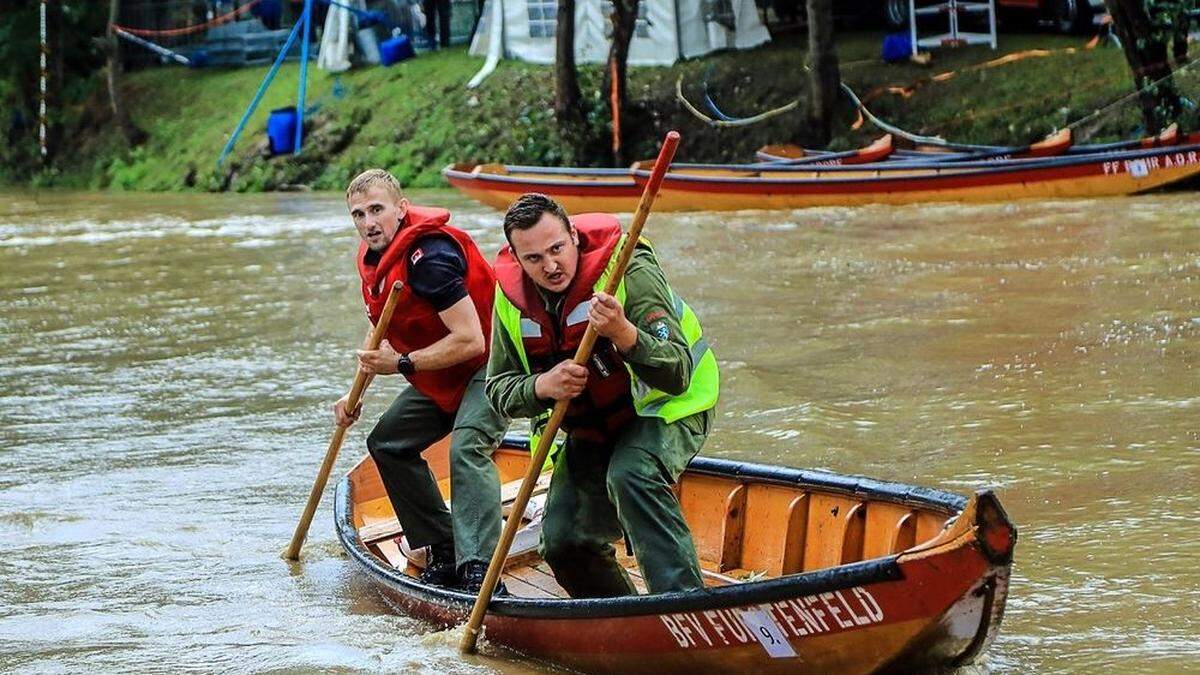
739 187
578 190
736 188
934 604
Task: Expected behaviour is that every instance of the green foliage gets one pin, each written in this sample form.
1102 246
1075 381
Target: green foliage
416 117
72 24
1157 30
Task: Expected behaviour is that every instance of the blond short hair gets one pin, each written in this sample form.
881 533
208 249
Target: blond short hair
374 178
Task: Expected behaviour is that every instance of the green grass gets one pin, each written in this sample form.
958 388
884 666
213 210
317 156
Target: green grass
417 116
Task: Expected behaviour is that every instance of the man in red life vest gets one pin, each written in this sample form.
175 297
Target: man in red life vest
639 410
437 339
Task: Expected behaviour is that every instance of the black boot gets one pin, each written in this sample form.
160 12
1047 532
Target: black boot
473 574
440 569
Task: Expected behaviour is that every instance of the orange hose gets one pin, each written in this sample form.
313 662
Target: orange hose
195 28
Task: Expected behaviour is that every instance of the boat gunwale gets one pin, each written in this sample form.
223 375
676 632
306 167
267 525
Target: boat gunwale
620 178
881 569
811 158
968 149
932 171
952 148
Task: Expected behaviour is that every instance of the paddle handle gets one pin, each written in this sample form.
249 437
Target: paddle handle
335 443
582 354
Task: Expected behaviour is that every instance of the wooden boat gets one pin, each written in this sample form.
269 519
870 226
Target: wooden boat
805 570
579 190
794 155
700 187
1054 144
1057 143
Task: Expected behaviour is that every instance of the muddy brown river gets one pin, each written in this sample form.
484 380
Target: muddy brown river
167 364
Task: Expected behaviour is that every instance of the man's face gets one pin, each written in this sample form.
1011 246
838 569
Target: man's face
548 252
377 214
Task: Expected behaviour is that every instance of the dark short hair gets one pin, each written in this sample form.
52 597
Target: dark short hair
527 211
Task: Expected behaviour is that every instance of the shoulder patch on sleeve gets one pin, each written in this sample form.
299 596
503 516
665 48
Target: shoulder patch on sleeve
417 254
661 330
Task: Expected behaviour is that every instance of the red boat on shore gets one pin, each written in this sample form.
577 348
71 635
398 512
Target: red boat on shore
733 187
794 155
1058 143
1052 168
579 190
804 570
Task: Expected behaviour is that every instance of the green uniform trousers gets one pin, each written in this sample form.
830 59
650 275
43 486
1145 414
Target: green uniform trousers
411 424
597 494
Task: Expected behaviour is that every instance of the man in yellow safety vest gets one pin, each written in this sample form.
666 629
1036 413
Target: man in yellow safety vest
639 411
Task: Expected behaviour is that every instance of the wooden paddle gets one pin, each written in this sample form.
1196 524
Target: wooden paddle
335 443
582 354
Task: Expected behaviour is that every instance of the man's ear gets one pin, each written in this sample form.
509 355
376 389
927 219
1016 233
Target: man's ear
402 207
574 234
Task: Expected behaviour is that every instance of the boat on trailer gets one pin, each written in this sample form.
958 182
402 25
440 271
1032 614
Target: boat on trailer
803 570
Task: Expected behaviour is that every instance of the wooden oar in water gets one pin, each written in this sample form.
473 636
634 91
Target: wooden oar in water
335 443
665 155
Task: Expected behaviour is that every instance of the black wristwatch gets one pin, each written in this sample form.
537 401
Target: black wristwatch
404 365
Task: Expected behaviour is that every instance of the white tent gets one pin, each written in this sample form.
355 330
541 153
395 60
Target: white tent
666 31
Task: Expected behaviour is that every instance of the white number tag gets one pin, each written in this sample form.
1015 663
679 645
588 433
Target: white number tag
1139 169
769 635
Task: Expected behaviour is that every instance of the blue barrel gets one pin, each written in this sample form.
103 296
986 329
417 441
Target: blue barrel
897 47
395 50
281 130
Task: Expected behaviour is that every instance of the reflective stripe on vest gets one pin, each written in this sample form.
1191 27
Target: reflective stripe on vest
530 328
703 388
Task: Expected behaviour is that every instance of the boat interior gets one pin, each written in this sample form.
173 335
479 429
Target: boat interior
745 529
539 174
783 172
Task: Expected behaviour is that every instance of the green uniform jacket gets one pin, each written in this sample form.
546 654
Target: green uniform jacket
660 357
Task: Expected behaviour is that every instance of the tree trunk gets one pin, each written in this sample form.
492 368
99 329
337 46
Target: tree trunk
624 22
132 134
1145 46
566 82
1182 27
823 74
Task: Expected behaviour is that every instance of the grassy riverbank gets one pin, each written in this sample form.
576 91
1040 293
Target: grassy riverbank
416 117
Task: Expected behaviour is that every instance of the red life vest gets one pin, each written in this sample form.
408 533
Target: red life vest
415 323
606 404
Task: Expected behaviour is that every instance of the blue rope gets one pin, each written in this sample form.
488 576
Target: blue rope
306 19
712 106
